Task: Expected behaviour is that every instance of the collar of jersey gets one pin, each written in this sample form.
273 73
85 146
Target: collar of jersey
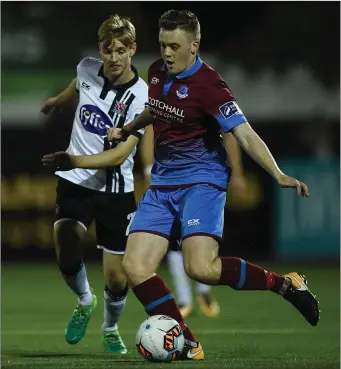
188 72
123 87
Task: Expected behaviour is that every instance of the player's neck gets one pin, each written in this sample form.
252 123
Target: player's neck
191 63
125 77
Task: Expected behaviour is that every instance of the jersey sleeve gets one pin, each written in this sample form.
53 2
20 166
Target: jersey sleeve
83 69
220 103
77 80
80 71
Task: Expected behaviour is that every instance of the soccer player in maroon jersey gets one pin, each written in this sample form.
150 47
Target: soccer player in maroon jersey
190 105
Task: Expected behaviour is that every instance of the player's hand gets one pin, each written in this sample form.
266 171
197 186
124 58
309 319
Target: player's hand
115 134
49 106
238 186
286 182
59 160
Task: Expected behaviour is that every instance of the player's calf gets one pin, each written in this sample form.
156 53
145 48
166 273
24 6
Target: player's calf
157 299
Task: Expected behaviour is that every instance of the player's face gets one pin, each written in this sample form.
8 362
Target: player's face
178 49
116 58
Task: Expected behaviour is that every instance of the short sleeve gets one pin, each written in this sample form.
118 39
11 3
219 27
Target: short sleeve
220 103
80 66
83 70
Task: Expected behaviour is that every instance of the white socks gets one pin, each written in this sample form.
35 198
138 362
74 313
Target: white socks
80 286
202 289
113 309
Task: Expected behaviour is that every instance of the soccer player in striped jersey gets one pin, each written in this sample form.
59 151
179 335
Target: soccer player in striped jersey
189 106
108 93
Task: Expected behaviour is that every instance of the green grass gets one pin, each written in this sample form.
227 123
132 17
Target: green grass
254 330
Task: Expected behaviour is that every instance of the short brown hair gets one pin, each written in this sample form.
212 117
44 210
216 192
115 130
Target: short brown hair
182 19
117 27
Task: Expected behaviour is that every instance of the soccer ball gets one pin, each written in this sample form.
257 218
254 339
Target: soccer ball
160 338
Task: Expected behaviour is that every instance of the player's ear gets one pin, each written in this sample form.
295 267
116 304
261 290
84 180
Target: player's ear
133 48
195 47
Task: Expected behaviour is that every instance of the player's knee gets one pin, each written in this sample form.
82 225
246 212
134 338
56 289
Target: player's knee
116 287
135 271
197 272
67 236
116 280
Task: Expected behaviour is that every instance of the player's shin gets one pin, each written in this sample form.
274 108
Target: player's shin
157 298
242 275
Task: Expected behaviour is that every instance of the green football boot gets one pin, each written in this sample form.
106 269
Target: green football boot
76 328
113 343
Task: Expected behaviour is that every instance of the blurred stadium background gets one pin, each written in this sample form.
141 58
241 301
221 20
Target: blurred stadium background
282 63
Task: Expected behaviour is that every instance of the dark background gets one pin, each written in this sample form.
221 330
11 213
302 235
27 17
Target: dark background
42 42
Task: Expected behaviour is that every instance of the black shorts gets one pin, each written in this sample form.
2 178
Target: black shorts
113 213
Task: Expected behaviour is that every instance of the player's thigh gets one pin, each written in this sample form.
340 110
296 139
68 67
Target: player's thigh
149 236
199 255
73 215
144 254
202 229
114 274
113 216
202 212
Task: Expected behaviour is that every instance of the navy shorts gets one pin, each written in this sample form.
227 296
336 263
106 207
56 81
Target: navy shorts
111 212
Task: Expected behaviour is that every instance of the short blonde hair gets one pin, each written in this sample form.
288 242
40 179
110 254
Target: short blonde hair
117 27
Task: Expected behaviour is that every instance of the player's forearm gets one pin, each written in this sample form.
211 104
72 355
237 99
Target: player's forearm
105 159
141 121
234 154
257 149
69 95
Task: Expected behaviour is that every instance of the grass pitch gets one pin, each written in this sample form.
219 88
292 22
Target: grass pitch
254 330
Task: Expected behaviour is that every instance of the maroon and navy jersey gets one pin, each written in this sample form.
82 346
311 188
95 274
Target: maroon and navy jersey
189 112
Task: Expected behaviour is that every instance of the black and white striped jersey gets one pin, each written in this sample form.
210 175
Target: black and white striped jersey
103 106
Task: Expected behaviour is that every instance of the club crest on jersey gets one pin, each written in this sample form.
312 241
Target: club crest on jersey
94 120
120 108
182 92
155 80
229 109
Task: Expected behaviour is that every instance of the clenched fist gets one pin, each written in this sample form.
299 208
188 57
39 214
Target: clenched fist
116 134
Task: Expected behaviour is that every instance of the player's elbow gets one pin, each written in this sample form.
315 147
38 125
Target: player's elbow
119 160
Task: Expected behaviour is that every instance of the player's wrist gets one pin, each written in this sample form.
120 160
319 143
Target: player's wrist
278 175
125 133
76 161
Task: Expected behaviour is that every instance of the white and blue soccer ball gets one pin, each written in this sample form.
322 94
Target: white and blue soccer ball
160 338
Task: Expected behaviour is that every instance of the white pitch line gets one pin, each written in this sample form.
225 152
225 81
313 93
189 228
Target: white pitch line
230 331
